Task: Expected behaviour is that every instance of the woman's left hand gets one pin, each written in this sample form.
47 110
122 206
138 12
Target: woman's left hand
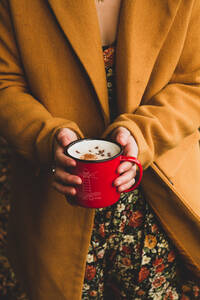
126 169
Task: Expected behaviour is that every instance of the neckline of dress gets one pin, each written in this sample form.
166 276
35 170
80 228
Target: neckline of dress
113 44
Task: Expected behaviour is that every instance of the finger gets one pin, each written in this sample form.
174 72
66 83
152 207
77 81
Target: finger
122 135
61 159
126 186
66 178
65 136
125 166
131 148
69 190
125 178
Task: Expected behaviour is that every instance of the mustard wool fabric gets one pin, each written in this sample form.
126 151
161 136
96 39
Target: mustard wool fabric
52 76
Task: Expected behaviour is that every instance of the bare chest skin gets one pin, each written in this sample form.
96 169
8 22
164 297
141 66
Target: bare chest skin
108 15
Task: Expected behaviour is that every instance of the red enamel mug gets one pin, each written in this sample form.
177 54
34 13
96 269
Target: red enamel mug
96 164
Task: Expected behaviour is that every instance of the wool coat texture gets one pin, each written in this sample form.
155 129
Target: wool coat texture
52 75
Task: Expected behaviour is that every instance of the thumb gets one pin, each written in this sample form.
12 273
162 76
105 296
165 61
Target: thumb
65 136
122 136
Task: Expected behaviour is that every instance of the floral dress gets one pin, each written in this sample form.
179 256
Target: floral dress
130 256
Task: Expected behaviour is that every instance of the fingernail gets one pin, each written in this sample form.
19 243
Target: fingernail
73 192
72 163
79 181
117 182
120 189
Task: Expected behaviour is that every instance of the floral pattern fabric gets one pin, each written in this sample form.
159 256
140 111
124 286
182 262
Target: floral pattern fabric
130 257
109 61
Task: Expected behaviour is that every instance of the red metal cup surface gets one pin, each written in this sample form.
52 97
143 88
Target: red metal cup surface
97 189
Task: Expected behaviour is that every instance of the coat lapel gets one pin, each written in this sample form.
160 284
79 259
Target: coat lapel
79 22
143 28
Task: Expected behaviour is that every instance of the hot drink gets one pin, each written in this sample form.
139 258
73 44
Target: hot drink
94 150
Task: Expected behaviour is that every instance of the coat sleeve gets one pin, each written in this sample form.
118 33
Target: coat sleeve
174 113
24 122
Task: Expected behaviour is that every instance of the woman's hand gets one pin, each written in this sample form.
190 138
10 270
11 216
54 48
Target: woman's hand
64 182
126 169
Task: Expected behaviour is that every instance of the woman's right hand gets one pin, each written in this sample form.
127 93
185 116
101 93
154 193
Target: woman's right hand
63 181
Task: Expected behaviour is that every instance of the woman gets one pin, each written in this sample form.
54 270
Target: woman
53 90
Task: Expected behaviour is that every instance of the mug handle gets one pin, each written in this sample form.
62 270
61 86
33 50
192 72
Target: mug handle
137 162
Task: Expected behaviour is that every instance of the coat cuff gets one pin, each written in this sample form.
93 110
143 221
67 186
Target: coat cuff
44 143
145 156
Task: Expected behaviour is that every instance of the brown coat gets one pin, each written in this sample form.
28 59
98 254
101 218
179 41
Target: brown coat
52 76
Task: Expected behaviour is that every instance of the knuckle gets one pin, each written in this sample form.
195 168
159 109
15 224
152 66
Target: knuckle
60 133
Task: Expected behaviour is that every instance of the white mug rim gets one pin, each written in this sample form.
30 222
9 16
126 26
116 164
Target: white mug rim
91 160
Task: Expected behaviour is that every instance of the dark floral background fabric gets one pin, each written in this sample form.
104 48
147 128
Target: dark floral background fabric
9 287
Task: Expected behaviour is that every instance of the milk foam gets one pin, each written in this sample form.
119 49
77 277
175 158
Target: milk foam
93 149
